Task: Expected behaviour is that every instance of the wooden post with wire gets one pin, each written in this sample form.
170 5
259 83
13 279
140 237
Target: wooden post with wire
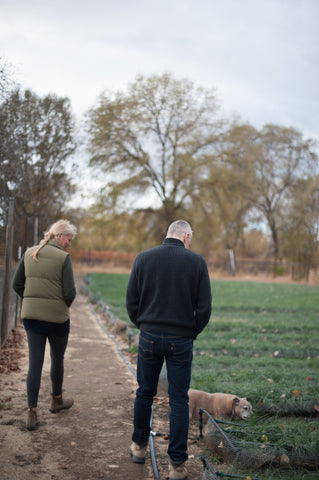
7 274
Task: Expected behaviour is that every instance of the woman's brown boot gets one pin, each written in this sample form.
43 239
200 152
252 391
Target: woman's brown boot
57 403
32 419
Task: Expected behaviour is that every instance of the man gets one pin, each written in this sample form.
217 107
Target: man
169 299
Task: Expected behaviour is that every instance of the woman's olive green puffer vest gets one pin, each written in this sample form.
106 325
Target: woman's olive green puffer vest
43 292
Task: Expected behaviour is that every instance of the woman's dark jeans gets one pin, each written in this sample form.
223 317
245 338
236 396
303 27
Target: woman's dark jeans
37 342
178 353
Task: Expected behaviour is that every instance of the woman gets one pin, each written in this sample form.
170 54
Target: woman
44 279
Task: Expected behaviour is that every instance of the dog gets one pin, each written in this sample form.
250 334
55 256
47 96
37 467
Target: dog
221 406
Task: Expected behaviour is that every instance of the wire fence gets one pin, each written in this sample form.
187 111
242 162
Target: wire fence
245 450
18 231
223 264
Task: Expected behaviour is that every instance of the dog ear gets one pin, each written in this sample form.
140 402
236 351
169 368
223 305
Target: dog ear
236 401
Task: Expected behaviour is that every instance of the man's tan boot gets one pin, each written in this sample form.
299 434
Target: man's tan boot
32 419
138 453
177 473
57 403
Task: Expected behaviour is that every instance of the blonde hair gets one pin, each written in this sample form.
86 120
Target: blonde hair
61 227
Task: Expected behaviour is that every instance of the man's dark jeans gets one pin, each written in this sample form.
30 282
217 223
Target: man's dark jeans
178 353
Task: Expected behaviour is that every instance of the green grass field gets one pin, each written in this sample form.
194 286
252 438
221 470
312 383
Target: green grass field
262 343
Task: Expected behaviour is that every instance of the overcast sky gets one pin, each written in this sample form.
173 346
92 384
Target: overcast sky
261 56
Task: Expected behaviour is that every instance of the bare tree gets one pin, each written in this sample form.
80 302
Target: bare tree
151 141
268 164
36 140
301 226
7 84
283 157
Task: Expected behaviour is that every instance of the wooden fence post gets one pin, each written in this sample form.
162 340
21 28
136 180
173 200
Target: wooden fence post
7 274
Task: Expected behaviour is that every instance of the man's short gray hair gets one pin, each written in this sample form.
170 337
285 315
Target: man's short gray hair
178 229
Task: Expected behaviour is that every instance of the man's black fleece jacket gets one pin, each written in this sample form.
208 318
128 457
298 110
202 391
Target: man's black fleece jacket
169 290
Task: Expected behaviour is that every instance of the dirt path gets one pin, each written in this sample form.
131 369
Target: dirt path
91 440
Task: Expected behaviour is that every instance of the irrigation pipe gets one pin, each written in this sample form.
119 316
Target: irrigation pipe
152 450
128 363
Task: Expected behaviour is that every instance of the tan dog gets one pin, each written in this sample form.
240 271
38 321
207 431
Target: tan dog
221 406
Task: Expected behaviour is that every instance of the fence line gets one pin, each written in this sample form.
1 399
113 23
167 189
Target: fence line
224 264
91 256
